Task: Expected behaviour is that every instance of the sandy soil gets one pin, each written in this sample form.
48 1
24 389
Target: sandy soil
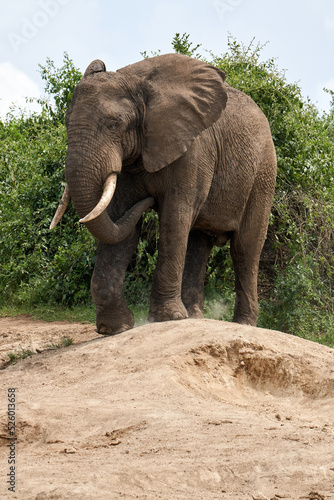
197 409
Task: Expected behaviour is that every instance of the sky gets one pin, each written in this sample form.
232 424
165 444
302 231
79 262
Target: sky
298 33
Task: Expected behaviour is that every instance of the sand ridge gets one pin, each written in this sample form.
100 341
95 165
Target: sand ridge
197 409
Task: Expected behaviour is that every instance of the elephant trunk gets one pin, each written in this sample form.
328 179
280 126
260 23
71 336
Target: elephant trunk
91 203
107 231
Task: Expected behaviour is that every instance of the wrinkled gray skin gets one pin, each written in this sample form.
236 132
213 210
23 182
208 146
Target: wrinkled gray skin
179 137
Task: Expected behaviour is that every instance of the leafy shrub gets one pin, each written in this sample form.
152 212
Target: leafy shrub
59 86
38 265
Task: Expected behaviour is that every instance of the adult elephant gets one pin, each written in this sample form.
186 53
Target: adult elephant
178 138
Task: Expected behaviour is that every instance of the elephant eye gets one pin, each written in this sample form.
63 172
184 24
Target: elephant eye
113 125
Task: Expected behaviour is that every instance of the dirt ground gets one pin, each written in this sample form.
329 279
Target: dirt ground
196 409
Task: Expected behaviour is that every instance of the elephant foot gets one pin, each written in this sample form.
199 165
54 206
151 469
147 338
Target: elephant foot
195 312
112 326
169 311
245 321
105 330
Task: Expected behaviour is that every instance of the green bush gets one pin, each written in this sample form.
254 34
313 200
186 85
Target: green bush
38 265
299 303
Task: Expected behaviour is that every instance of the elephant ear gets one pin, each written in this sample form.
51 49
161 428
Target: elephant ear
184 96
95 66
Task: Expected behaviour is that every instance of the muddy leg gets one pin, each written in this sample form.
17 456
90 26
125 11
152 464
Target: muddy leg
113 315
198 251
112 312
166 303
246 247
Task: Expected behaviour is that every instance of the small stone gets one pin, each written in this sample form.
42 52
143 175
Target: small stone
115 442
259 496
69 451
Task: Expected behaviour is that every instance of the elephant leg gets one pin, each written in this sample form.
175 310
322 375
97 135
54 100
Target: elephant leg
198 251
246 247
246 270
166 303
112 312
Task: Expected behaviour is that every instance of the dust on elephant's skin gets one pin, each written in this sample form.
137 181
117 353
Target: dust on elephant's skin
178 138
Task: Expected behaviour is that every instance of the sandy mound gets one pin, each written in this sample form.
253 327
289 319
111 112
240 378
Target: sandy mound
196 409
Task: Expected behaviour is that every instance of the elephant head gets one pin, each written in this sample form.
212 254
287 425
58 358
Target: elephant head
153 109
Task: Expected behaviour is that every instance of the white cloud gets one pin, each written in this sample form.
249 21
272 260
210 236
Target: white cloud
15 86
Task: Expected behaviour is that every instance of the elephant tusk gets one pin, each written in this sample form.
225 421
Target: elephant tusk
64 202
108 193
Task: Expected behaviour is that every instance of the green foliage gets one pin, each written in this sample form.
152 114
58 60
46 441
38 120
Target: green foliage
64 342
23 353
299 304
59 85
81 313
38 265
145 55
142 266
52 270
182 45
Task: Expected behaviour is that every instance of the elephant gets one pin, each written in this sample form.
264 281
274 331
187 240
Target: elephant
169 133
